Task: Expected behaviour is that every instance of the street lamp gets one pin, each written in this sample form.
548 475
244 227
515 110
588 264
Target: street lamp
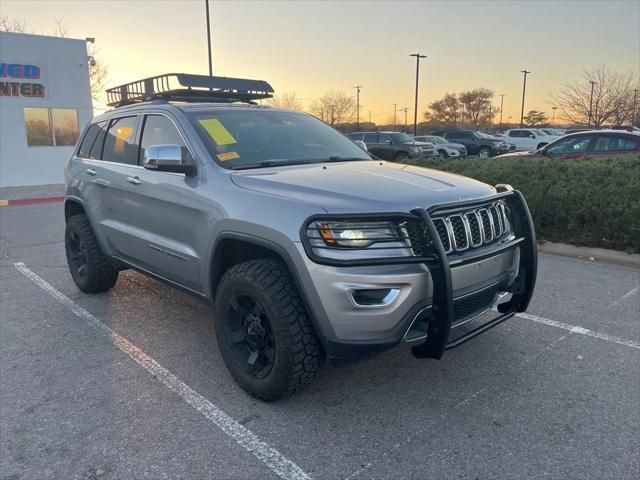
358 87
591 100
501 106
553 118
395 123
634 114
524 88
405 109
206 3
415 107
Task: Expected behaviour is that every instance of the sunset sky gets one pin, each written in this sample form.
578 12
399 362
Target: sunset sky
311 47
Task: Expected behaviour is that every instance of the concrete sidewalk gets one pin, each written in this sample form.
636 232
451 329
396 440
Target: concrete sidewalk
31 191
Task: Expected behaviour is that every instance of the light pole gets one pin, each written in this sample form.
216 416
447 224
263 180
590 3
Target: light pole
405 109
591 100
206 3
395 122
524 88
358 87
553 118
415 105
634 114
501 105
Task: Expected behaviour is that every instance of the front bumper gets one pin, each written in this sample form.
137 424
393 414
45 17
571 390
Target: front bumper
429 291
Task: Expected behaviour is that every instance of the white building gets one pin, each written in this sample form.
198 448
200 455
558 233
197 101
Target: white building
45 101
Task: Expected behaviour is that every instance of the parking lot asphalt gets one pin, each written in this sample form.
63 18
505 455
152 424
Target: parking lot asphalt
554 394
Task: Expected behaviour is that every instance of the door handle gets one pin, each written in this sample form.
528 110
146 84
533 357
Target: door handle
91 171
134 180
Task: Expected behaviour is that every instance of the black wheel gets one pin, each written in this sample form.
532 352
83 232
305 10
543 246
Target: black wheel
442 154
264 333
91 270
402 156
485 152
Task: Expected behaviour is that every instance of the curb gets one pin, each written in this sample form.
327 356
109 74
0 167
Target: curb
31 201
591 254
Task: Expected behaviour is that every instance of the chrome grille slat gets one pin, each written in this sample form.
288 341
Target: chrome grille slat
460 231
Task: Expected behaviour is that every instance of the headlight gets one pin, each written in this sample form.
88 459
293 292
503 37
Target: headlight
354 234
416 149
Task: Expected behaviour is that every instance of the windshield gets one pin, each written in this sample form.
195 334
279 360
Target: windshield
401 138
438 139
484 135
246 138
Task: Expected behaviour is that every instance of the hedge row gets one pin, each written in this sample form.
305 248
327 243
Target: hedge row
592 202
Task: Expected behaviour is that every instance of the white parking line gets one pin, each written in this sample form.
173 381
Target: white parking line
580 330
626 295
271 457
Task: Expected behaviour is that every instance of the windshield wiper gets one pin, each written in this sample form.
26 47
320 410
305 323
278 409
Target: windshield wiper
271 163
344 159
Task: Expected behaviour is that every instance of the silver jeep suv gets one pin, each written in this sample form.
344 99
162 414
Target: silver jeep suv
306 245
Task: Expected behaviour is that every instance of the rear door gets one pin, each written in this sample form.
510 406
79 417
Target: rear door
105 188
608 144
465 138
165 210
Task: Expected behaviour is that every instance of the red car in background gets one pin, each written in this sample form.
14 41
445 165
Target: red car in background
591 143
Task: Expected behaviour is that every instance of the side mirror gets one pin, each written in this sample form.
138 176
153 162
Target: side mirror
166 158
388 142
361 144
532 135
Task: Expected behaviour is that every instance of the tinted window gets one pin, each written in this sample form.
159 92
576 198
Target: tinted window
370 138
613 143
87 142
515 133
384 139
96 148
577 144
120 146
459 135
159 130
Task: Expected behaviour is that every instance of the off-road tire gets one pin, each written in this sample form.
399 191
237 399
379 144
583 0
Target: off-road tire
402 157
442 154
298 353
101 273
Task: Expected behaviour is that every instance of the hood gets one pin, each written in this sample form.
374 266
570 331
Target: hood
517 154
362 186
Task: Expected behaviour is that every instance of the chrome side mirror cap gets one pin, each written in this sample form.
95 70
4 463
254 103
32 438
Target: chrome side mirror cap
361 144
166 158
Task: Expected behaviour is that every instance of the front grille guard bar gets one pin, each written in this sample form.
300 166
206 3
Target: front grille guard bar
439 326
439 265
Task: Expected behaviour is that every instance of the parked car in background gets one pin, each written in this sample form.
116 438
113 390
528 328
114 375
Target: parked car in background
553 131
444 148
529 139
394 146
477 143
592 143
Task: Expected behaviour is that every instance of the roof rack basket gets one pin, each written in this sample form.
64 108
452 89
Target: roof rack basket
184 87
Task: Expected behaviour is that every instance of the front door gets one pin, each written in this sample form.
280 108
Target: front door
165 211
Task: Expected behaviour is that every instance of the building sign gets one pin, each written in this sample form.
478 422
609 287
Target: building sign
22 88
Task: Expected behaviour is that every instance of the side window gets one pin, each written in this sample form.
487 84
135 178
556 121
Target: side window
515 133
159 130
384 139
613 143
96 148
120 143
570 145
91 146
370 138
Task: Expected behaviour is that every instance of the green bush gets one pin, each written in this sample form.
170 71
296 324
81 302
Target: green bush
592 202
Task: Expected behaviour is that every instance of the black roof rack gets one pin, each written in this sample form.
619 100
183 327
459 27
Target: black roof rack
184 87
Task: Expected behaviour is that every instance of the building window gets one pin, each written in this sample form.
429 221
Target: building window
65 126
38 127
51 127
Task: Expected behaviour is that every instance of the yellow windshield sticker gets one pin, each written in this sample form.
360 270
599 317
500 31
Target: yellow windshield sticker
217 131
228 156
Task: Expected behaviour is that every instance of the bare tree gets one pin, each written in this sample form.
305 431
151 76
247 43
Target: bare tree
477 105
288 100
334 107
612 97
446 110
535 118
8 24
97 70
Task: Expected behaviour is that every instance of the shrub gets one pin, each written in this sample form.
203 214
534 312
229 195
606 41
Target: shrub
593 202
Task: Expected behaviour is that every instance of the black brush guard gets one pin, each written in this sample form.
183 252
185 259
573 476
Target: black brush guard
440 265
439 325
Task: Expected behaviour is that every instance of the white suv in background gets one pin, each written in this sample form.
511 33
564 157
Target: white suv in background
528 139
